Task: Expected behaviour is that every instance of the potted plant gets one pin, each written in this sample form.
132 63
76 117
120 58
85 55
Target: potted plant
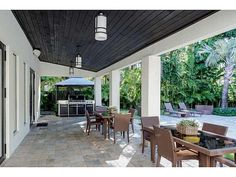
188 127
112 110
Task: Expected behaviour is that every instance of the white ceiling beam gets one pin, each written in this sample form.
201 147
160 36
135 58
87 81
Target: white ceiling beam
49 69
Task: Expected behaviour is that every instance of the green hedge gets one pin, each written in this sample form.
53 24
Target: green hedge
225 112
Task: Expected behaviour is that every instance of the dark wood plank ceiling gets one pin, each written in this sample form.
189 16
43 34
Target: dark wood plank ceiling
62 34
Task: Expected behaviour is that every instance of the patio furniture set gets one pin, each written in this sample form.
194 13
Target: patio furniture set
166 141
110 121
170 144
183 111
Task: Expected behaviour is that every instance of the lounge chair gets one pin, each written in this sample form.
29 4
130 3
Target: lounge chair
169 109
184 108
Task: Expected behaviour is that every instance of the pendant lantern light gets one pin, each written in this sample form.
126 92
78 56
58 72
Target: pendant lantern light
101 27
78 62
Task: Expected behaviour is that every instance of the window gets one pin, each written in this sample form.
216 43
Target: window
16 94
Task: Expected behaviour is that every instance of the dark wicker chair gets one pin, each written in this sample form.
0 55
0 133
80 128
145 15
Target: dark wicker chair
217 129
120 124
224 161
132 111
148 122
213 128
168 150
92 121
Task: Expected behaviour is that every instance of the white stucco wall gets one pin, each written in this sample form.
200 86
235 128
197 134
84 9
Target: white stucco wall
16 42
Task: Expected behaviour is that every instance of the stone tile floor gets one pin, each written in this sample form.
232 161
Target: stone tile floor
64 144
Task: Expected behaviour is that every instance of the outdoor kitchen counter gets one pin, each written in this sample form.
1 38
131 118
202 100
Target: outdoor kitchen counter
75 108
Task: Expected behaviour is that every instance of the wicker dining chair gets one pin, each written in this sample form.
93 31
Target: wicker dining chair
222 160
120 124
91 122
132 111
217 129
148 122
213 128
168 150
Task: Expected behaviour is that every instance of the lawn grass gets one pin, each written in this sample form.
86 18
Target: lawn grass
229 156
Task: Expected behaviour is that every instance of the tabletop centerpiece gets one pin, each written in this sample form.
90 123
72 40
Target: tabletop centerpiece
187 127
112 109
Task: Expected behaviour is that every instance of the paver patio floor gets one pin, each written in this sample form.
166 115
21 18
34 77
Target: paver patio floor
64 144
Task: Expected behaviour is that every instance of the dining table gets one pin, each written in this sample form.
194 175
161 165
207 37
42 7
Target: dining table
106 119
210 145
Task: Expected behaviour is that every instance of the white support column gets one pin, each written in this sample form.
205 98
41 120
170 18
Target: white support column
114 89
98 91
151 86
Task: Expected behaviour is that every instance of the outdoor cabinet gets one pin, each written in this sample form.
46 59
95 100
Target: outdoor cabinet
81 109
72 109
63 111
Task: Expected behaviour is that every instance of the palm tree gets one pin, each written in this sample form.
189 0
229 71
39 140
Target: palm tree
222 52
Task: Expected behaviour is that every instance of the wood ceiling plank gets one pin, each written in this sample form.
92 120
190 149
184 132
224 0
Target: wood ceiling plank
124 39
187 15
122 23
96 44
58 33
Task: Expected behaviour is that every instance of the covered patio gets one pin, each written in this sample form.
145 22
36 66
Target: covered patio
49 43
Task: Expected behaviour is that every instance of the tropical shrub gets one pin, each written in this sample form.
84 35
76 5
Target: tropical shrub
223 53
48 92
185 78
224 111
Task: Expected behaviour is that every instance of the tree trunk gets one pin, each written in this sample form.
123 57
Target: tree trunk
227 76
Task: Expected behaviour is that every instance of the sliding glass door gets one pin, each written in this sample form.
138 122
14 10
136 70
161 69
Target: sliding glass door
2 102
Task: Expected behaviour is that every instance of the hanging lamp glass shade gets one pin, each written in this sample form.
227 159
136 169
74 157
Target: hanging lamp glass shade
101 27
78 62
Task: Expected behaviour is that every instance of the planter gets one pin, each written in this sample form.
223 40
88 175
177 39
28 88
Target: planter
112 110
187 130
